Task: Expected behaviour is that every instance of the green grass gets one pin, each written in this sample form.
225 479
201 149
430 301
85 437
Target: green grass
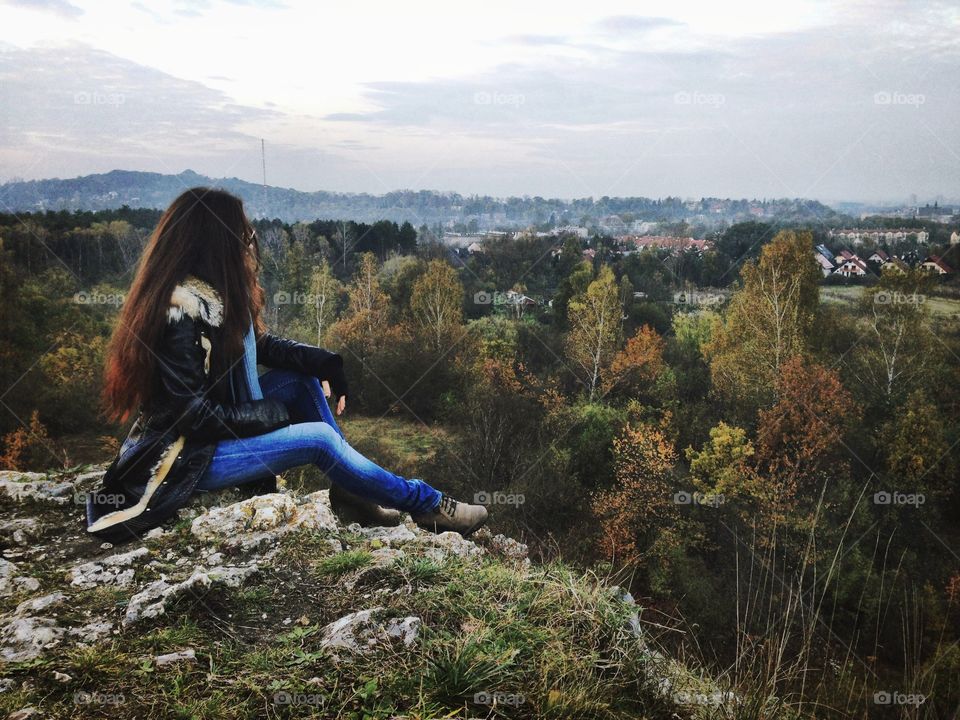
343 563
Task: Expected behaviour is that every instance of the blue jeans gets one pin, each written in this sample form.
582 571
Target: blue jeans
314 437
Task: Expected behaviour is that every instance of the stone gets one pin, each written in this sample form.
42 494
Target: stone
11 581
362 631
19 531
24 638
387 536
446 544
23 714
502 546
188 655
39 604
151 602
22 486
252 522
112 570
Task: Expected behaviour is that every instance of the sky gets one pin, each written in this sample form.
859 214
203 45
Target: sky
835 101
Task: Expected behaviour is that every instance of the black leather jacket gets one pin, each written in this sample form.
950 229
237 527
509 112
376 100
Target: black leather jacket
171 442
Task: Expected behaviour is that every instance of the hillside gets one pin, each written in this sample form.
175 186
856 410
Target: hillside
155 190
269 607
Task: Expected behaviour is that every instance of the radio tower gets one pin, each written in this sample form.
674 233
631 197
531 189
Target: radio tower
263 162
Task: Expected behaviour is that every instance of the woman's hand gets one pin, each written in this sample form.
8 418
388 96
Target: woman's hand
341 403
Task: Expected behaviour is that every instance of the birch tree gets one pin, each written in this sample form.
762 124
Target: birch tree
595 318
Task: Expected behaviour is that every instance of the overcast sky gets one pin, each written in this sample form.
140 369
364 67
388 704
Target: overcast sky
829 100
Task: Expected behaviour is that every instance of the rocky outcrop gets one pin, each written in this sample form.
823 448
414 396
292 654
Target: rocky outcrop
224 547
304 598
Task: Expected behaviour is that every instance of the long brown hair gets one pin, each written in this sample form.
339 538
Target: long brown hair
204 233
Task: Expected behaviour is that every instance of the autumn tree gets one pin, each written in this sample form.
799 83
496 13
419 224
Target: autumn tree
635 367
895 351
436 305
916 448
641 499
325 290
768 321
365 331
595 317
801 436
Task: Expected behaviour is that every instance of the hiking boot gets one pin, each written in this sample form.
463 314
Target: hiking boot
452 515
352 508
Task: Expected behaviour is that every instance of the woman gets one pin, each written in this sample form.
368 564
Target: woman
184 355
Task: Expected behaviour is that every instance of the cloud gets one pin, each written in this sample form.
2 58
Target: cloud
635 24
789 113
58 7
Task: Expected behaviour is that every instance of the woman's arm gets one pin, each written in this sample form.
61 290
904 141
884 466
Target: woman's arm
180 363
286 354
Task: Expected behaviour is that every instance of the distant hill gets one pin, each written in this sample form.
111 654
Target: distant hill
155 190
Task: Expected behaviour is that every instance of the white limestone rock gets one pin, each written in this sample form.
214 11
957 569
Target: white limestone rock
447 544
152 600
22 486
362 631
187 655
11 581
24 636
249 523
386 536
19 531
113 570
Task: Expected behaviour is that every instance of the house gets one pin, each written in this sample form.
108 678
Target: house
935 264
580 232
851 266
663 242
954 237
474 247
590 253
826 266
879 257
856 236
612 224
895 265
823 250
512 297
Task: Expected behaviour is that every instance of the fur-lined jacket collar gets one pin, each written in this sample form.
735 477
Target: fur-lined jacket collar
196 298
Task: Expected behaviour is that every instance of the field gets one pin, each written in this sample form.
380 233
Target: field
942 307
